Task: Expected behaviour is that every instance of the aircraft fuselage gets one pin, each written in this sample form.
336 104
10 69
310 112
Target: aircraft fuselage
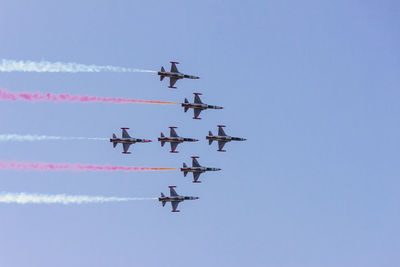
200 106
128 140
225 138
176 198
177 75
176 139
199 169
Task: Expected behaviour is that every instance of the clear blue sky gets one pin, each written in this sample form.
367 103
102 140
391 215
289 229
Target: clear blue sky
313 85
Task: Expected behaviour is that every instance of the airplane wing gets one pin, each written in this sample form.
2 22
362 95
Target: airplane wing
197 99
174 145
172 81
172 192
221 144
174 205
195 163
126 147
197 112
172 133
173 67
221 131
125 134
196 176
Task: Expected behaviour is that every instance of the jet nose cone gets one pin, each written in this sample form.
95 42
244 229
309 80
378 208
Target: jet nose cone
195 140
148 141
196 198
218 169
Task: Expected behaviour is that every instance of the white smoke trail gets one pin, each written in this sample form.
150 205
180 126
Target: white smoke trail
32 138
25 198
46 66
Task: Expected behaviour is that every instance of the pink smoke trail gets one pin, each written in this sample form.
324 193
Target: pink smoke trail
50 97
77 167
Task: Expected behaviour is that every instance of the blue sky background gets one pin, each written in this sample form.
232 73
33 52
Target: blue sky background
313 85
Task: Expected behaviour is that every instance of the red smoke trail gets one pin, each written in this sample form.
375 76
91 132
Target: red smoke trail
42 166
49 97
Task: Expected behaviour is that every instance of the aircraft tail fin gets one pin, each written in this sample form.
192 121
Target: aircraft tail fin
162 76
210 140
162 142
184 173
163 202
114 143
186 102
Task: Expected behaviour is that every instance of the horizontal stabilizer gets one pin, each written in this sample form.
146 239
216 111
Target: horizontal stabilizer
115 144
210 141
162 143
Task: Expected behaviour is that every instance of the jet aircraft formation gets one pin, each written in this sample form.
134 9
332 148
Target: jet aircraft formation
174 139
126 140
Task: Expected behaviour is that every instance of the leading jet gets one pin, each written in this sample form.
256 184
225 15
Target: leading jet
174 139
222 138
196 169
126 140
174 75
197 106
174 198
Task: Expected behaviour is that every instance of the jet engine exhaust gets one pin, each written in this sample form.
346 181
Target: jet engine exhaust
7 65
68 98
74 167
26 198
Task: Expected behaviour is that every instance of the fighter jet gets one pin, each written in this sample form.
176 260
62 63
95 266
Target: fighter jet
174 75
197 169
222 138
126 140
174 198
197 106
174 139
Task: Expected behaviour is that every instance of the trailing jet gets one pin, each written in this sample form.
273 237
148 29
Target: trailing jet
174 139
126 140
174 198
222 138
174 74
197 106
197 169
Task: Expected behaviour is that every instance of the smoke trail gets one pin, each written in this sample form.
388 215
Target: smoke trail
32 138
49 97
77 167
46 66
25 198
